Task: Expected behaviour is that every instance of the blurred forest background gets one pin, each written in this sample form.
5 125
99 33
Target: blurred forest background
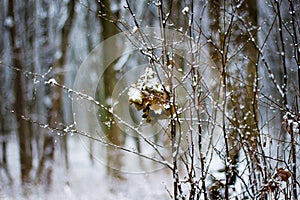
255 48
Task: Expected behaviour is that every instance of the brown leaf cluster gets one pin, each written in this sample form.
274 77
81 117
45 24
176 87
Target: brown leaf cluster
281 175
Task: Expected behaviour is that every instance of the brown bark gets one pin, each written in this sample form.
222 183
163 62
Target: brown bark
66 31
245 95
112 132
19 105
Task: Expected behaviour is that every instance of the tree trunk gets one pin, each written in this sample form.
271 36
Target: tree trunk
66 31
112 131
19 105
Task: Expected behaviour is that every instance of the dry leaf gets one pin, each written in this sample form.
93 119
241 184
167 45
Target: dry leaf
282 174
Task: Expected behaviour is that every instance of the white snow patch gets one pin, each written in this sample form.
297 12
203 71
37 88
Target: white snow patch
51 81
135 95
84 180
185 10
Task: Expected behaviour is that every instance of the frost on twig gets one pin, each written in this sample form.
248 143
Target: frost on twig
151 96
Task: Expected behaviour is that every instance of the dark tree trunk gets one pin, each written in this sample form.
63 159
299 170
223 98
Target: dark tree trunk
113 132
19 105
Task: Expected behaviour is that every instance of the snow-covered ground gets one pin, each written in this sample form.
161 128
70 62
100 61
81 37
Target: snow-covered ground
85 180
